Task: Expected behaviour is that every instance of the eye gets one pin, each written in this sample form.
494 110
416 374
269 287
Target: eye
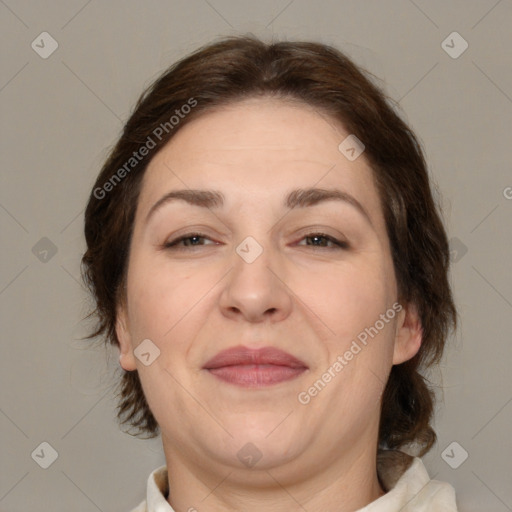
319 240
193 238
323 239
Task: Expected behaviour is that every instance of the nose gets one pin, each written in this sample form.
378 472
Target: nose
257 291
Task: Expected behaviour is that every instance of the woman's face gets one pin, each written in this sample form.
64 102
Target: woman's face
309 276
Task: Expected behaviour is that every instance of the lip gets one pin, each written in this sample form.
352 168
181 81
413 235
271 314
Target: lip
247 367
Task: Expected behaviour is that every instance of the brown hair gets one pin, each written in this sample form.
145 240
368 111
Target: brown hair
239 67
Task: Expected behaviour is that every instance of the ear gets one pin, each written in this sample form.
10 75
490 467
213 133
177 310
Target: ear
409 334
126 357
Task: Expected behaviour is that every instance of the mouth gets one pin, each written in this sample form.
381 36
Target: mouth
246 367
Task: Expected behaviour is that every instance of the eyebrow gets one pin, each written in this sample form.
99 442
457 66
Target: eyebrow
297 198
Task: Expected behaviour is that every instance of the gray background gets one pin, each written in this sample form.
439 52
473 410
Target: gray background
61 114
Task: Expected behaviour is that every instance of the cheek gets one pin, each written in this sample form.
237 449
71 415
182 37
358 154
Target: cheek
350 301
165 307
160 298
347 298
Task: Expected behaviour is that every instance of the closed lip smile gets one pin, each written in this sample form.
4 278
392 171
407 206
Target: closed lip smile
247 367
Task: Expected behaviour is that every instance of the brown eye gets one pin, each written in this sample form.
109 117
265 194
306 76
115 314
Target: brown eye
193 238
323 239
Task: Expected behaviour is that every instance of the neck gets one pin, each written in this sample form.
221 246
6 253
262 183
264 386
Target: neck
345 484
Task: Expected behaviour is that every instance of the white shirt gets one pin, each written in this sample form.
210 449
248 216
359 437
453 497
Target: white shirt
409 489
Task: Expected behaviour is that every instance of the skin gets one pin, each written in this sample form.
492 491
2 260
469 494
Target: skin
302 295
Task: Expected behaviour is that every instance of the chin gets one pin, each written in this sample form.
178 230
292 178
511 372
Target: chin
264 443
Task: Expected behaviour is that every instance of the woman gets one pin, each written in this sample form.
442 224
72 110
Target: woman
264 249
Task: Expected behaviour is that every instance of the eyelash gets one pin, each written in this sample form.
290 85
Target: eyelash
339 244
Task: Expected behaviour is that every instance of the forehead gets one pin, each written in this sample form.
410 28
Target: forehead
282 128
256 149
